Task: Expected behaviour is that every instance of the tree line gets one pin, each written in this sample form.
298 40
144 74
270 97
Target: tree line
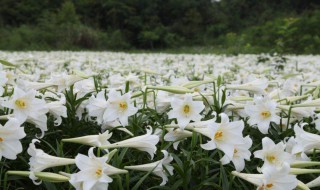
256 26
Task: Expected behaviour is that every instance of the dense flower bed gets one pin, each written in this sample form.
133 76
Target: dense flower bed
98 120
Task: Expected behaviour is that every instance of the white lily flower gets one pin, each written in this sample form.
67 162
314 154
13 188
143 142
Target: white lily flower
97 106
40 160
119 107
10 134
177 135
257 86
305 140
92 140
272 178
117 125
278 179
58 110
273 154
63 81
185 110
93 172
27 85
157 167
84 87
292 145
145 142
162 101
241 153
24 105
224 135
262 113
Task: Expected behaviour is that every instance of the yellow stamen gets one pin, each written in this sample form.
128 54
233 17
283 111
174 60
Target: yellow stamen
1 139
20 103
218 135
265 114
269 185
98 172
123 105
235 151
186 109
271 158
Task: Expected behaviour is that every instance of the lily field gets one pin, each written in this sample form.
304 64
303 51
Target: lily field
102 120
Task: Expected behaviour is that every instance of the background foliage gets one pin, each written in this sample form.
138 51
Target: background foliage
233 26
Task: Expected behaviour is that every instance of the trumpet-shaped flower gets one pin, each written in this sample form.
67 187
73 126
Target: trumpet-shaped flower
296 150
93 172
278 178
63 81
185 110
162 101
10 134
157 167
97 106
26 105
58 110
177 135
305 140
257 86
241 152
224 135
84 87
119 107
145 142
272 178
262 113
92 140
40 160
273 154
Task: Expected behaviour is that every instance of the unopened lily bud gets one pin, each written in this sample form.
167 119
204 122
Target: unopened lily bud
172 89
44 176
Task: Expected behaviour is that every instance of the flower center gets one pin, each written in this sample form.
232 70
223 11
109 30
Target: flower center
265 114
1 139
269 185
123 105
218 135
186 109
235 151
20 103
98 172
271 158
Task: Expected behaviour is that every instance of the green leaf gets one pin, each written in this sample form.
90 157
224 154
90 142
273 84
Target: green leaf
6 63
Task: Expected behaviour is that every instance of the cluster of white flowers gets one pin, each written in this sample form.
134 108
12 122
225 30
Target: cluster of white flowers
112 88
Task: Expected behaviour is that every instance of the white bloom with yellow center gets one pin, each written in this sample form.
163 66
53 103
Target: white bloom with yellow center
185 110
272 178
224 135
262 113
241 152
273 154
278 178
119 107
26 105
10 134
93 172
